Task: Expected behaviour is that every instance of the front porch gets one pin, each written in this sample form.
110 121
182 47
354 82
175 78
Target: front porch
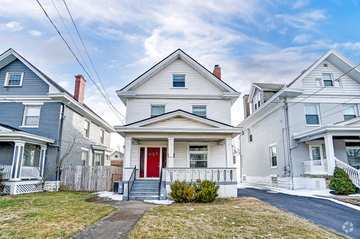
22 160
189 158
330 147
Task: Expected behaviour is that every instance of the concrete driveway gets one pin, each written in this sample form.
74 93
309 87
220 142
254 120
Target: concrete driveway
336 217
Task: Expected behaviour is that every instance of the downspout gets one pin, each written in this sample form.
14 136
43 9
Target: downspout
62 110
241 160
288 142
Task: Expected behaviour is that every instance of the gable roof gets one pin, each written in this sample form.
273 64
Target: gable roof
178 54
266 87
10 55
334 58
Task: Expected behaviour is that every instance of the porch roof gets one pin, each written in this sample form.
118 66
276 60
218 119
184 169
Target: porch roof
335 130
8 133
148 125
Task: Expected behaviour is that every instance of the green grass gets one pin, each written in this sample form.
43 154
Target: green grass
48 215
237 218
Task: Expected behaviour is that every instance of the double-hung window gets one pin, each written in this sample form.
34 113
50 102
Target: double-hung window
178 80
312 114
198 156
157 110
84 157
349 111
273 156
31 115
199 110
14 78
86 128
102 136
327 79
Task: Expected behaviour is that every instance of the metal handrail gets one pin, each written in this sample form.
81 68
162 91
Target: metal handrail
131 182
161 175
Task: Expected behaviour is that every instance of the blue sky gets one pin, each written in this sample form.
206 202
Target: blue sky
253 41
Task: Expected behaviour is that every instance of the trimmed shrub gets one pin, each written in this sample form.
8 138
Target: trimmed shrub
206 191
341 183
203 192
182 192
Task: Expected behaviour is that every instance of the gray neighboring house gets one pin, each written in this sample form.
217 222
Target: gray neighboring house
43 127
294 135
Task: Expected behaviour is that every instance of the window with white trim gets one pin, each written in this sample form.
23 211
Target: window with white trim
98 158
157 110
13 79
312 116
178 80
31 115
102 136
199 110
198 156
86 128
84 157
327 79
349 111
273 156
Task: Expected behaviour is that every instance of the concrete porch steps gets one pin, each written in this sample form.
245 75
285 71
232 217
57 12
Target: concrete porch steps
145 190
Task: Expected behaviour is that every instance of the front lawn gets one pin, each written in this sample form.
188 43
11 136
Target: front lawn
48 215
237 218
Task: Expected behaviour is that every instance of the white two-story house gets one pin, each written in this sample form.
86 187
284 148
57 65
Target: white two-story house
295 134
178 127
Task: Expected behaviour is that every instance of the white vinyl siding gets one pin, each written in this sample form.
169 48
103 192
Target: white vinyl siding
31 116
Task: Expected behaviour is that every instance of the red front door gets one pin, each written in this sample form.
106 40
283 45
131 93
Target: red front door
153 162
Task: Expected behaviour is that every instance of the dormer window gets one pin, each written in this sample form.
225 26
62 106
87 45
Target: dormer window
327 80
13 79
178 80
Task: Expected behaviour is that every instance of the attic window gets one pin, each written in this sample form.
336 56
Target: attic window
327 79
325 65
178 80
14 78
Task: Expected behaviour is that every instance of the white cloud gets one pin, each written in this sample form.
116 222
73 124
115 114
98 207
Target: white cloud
35 33
12 26
304 20
301 39
300 4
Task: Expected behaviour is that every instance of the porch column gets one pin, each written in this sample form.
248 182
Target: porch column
170 160
330 154
18 156
127 155
43 149
229 152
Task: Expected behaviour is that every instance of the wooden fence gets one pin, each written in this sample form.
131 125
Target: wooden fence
89 178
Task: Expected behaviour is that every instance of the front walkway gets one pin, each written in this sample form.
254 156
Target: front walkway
117 224
336 217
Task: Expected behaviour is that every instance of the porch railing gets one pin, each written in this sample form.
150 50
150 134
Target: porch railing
131 181
6 170
219 175
354 174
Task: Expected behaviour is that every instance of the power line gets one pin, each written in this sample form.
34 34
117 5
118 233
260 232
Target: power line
78 61
88 55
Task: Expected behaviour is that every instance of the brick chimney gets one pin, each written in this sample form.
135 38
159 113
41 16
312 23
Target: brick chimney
217 71
79 91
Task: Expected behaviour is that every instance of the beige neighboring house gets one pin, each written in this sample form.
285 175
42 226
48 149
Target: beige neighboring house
178 127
